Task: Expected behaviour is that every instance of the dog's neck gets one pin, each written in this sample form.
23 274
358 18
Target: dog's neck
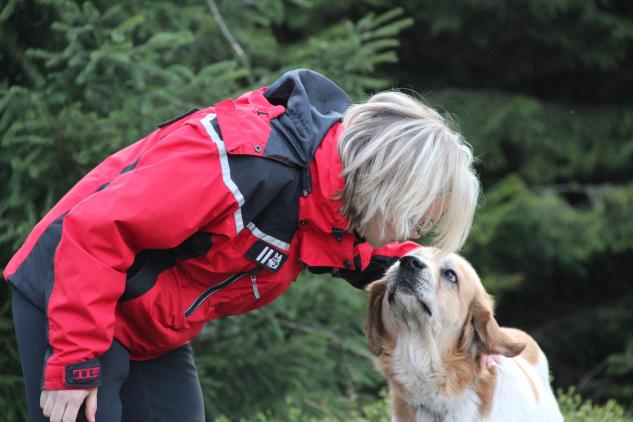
425 387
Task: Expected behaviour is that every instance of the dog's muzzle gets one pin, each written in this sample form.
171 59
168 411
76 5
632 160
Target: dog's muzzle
410 262
408 276
411 280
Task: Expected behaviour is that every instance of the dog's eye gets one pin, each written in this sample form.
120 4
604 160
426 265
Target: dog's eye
451 276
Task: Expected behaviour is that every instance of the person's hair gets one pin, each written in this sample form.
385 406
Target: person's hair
401 161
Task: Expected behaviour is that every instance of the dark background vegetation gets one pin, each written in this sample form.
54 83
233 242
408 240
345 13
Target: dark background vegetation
542 89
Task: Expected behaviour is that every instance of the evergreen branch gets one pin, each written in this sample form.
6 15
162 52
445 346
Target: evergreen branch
7 11
592 374
349 380
227 33
560 323
332 337
573 188
206 337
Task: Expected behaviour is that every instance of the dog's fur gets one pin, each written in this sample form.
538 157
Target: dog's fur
429 334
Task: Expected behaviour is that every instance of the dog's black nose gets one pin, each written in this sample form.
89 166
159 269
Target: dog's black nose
412 262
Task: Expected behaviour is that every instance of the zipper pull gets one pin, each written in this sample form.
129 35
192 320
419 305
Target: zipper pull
306 181
337 233
254 284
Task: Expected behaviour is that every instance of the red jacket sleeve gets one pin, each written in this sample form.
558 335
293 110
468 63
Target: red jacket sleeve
176 188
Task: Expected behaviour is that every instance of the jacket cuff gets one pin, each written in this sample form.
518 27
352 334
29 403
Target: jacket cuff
85 375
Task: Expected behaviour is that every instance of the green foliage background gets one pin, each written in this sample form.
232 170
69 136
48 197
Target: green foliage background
542 89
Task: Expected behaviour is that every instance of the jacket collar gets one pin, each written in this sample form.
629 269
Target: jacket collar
324 240
312 103
286 121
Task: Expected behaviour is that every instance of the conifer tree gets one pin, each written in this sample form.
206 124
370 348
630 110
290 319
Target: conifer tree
541 89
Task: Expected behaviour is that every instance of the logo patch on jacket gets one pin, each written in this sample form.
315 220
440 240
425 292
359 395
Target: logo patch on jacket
84 373
266 256
87 373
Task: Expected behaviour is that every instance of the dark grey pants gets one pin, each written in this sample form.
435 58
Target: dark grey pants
164 389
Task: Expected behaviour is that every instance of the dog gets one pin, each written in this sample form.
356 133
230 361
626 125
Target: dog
431 327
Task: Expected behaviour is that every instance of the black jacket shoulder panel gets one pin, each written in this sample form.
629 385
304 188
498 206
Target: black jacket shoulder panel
271 194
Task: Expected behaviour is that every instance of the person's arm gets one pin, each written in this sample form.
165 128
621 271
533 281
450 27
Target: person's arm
380 260
176 188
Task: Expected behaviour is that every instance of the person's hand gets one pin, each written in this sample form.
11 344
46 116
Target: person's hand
489 361
63 405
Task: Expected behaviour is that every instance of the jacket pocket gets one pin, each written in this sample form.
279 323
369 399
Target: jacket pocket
211 290
144 272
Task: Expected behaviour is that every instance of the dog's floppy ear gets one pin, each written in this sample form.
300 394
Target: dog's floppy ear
493 340
374 327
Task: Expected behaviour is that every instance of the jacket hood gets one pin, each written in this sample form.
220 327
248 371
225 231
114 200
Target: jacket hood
313 103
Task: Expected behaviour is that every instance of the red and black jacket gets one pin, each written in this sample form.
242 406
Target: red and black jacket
213 214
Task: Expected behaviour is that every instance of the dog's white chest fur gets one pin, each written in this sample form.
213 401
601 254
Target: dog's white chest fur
420 374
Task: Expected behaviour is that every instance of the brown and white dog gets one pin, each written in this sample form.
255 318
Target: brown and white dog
430 322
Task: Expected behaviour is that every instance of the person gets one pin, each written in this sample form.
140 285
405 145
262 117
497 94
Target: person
214 214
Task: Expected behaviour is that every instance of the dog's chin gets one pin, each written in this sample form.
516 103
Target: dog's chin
413 303
425 308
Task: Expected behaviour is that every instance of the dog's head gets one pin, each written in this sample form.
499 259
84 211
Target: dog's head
440 300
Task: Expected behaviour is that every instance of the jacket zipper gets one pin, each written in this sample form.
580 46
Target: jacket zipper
255 289
221 285
205 295
254 282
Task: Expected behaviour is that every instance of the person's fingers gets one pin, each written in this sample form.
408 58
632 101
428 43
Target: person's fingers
91 405
490 361
48 404
58 411
63 405
43 398
70 415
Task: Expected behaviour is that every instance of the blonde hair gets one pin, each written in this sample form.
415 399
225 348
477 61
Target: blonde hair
401 162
